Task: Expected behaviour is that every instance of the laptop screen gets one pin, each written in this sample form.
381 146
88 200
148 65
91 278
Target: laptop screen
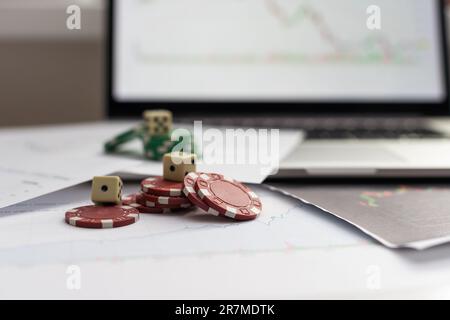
277 50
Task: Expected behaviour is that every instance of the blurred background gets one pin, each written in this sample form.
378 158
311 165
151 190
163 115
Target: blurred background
45 66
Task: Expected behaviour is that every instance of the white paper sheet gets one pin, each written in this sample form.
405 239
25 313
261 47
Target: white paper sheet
39 160
38 226
245 172
293 251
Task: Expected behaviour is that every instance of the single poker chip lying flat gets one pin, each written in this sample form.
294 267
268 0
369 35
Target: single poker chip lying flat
142 199
102 217
131 200
189 191
166 201
160 187
229 197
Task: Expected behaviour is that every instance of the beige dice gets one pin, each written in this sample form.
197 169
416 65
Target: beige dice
158 122
177 165
106 190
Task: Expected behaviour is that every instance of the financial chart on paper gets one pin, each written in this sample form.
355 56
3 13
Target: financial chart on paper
276 49
34 232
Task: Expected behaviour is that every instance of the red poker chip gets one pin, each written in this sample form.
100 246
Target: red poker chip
143 200
131 201
160 187
229 197
166 201
102 217
189 191
143 209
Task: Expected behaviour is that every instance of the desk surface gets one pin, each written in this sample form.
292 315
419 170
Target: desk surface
329 259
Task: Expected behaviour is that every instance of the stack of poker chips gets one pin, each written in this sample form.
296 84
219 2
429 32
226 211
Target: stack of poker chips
182 187
221 196
158 195
155 133
211 192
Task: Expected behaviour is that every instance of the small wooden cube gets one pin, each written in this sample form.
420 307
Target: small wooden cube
106 190
158 122
177 165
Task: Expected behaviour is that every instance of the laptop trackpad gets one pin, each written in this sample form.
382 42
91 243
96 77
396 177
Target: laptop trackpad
348 153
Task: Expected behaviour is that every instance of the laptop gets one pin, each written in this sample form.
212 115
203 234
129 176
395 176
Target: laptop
367 84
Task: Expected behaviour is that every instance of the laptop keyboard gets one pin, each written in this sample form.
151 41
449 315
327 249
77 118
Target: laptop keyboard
336 128
417 133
